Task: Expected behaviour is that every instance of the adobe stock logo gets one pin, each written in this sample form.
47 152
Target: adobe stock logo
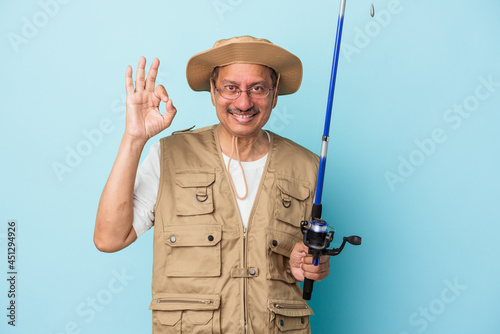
223 6
454 117
31 26
75 156
96 303
280 119
421 319
363 36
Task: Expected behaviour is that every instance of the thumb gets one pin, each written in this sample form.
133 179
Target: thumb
170 112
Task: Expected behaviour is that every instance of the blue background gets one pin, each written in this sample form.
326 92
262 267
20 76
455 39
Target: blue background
406 171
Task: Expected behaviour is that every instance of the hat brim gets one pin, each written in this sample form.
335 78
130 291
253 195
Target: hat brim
200 66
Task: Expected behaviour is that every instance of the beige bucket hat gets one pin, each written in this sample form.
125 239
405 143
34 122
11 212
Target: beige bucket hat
245 50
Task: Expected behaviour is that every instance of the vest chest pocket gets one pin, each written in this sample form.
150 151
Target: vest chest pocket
291 197
186 313
194 193
289 316
193 250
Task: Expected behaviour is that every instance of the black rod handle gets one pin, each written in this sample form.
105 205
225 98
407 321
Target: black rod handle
308 288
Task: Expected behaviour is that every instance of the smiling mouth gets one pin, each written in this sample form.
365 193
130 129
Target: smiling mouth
243 114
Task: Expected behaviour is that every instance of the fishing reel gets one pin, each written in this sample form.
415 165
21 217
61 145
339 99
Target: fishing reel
318 239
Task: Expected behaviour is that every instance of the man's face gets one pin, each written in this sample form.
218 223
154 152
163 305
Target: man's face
244 116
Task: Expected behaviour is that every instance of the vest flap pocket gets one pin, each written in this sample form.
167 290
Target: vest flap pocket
290 308
281 242
280 246
290 314
183 302
199 318
291 200
169 318
193 250
192 236
286 324
193 192
186 313
293 189
194 179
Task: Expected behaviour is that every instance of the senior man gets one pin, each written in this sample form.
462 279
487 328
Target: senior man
226 200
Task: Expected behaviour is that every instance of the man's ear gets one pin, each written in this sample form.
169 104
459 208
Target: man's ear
212 92
275 99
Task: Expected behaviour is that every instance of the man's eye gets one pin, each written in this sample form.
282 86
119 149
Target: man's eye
258 89
230 88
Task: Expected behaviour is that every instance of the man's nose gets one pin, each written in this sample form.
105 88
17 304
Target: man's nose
244 101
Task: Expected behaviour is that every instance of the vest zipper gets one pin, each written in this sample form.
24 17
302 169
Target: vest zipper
291 306
245 308
185 301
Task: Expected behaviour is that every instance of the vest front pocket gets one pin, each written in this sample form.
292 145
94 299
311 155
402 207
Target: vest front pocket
292 195
289 316
194 193
185 313
193 250
279 248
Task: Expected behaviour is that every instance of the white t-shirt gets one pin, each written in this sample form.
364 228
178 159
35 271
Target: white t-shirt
148 179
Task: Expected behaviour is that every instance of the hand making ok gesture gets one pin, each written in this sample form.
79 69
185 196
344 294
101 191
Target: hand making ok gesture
144 119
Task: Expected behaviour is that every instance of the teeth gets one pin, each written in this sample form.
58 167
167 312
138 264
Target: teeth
243 116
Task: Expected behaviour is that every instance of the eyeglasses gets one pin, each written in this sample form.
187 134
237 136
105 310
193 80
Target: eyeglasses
231 92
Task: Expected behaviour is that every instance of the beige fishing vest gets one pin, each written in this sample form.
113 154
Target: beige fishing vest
210 274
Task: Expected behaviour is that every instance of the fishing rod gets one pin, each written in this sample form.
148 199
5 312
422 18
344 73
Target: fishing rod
315 232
